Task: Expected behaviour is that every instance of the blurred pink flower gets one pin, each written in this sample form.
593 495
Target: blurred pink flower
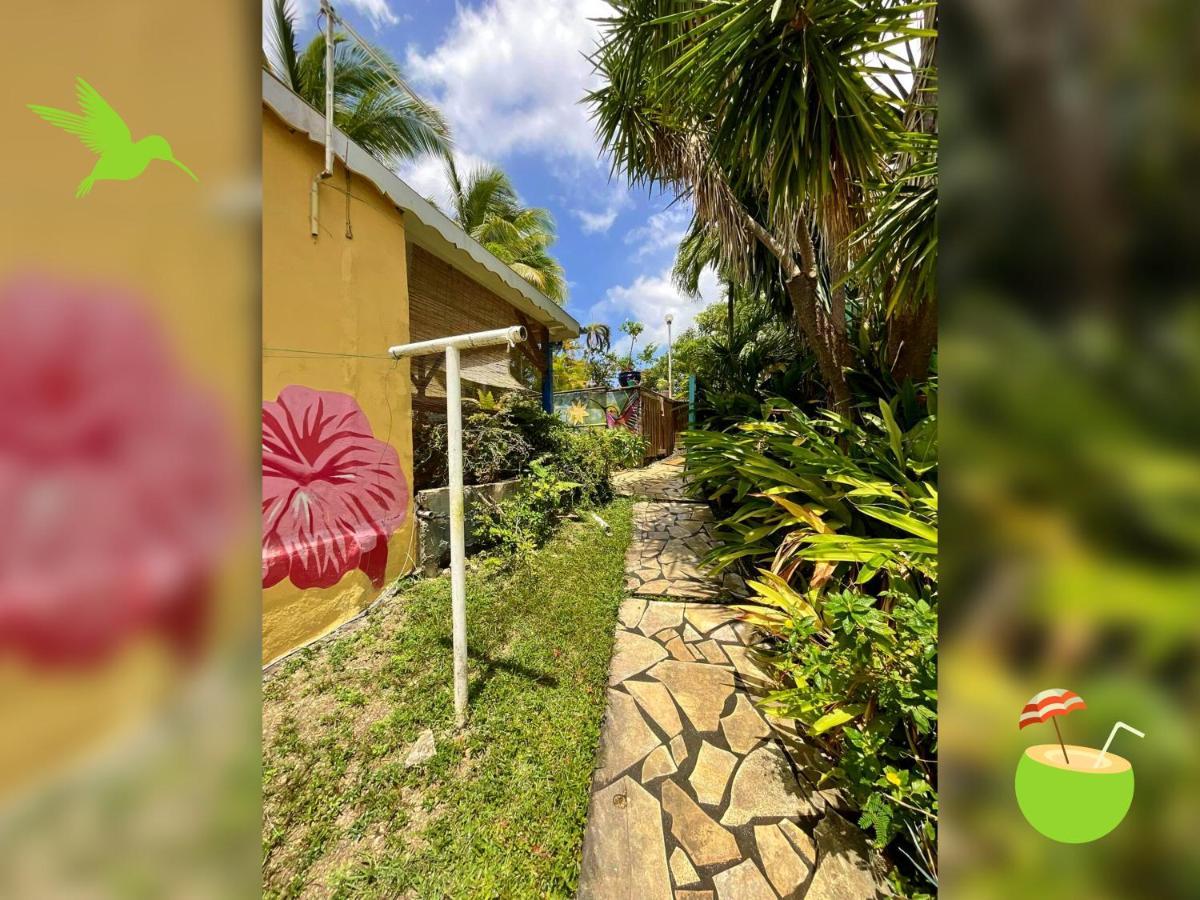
117 485
333 494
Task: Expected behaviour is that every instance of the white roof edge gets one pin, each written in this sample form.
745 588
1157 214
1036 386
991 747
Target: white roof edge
470 255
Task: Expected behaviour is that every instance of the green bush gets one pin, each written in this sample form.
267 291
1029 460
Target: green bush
824 488
839 519
519 524
589 456
577 471
512 436
500 436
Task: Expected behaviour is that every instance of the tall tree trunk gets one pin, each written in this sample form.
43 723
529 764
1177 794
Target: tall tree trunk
715 201
825 330
912 329
802 291
911 337
729 314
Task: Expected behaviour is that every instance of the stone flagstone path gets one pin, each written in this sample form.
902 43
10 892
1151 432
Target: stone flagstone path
663 559
670 536
695 796
661 480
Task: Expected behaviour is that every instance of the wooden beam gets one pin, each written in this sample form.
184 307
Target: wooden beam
422 376
534 357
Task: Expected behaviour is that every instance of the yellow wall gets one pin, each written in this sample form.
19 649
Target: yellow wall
185 254
327 303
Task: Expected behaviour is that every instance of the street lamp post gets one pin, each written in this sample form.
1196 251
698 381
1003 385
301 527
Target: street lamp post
670 368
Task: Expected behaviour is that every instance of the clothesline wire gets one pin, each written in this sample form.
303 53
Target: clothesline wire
302 352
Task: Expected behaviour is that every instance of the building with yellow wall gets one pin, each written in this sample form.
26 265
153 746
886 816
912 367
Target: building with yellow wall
384 268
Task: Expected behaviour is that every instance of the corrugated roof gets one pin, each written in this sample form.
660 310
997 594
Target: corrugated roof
425 224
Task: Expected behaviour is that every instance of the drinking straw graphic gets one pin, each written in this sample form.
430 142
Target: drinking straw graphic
1112 734
1050 705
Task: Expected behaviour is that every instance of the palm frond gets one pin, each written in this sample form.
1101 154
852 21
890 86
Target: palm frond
280 52
372 104
486 206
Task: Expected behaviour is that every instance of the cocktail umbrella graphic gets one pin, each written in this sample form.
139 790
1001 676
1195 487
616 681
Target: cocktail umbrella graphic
1049 705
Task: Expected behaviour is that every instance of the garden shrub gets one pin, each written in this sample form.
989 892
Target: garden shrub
520 524
500 437
839 519
577 472
589 456
510 436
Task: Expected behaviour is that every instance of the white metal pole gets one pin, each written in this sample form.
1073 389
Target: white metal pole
458 548
328 9
458 540
314 200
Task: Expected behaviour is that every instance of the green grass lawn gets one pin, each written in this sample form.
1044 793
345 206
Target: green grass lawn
499 810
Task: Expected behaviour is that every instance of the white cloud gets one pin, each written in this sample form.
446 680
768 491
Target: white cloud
511 76
648 299
378 11
595 222
586 185
662 231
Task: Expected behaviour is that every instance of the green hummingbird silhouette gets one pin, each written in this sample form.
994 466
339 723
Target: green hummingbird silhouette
105 133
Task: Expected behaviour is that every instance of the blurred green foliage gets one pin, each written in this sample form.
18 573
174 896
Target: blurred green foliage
1070 358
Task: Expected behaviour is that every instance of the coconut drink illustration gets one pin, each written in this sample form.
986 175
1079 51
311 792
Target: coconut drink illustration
1069 793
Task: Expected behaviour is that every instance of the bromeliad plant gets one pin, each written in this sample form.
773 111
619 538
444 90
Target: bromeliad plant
839 519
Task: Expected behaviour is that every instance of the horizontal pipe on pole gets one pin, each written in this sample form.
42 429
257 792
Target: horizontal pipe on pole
511 336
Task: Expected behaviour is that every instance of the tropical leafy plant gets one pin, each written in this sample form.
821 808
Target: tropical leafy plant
369 104
742 352
839 521
861 675
570 370
822 489
633 330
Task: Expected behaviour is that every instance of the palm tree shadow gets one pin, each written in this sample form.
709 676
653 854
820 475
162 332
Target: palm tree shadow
484 667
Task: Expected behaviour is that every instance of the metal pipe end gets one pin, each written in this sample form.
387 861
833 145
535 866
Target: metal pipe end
516 335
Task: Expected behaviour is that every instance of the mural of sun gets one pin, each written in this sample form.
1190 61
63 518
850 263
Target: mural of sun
577 413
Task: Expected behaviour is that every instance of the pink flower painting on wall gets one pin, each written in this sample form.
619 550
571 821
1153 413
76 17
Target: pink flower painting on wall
333 493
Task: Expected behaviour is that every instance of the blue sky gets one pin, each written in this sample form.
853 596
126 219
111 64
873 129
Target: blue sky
509 75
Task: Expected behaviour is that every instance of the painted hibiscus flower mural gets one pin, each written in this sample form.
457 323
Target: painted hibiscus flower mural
333 493
119 482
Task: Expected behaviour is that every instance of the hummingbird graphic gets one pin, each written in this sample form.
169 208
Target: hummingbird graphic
105 133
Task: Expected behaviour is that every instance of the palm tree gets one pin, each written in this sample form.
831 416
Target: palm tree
764 116
369 105
596 359
485 206
598 337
